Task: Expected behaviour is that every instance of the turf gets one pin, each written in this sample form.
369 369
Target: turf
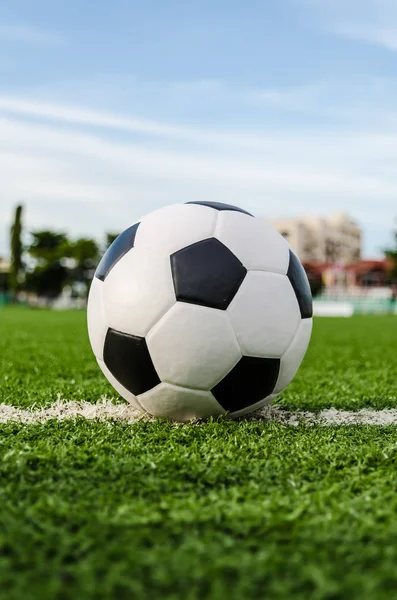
210 511
246 509
350 364
44 353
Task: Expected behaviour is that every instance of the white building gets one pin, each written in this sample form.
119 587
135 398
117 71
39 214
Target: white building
4 265
333 239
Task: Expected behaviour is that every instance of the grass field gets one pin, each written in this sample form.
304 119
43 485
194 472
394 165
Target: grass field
237 510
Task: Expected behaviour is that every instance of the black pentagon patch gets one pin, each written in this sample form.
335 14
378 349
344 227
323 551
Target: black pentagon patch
127 358
206 273
251 380
120 246
299 281
221 206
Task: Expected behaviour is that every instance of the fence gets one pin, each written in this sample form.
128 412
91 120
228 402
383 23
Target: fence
346 307
5 298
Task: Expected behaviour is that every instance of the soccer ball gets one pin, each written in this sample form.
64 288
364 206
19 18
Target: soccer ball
199 309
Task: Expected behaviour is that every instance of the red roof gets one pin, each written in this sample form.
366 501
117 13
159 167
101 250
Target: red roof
320 267
359 267
369 265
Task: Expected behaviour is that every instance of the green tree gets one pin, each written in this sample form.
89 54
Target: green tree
49 246
16 251
110 237
47 280
391 254
315 279
85 254
50 251
59 261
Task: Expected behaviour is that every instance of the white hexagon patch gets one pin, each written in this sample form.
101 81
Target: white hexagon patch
193 346
265 314
182 404
138 291
255 243
174 227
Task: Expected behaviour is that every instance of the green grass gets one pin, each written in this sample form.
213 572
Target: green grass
350 364
212 511
44 353
236 510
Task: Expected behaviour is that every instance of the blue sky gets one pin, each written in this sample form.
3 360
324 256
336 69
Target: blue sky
110 110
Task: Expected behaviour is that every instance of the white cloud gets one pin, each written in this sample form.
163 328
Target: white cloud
73 171
301 97
359 102
371 21
86 117
29 35
311 164
382 36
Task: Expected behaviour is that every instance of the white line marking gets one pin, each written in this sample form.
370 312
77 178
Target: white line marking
106 410
61 410
330 416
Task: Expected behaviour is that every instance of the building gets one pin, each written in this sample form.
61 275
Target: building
370 273
4 265
361 274
333 239
4 271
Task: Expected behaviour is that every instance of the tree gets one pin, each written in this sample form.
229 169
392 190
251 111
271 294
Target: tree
110 237
50 251
47 280
391 254
315 278
49 246
16 251
85 254
60 261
